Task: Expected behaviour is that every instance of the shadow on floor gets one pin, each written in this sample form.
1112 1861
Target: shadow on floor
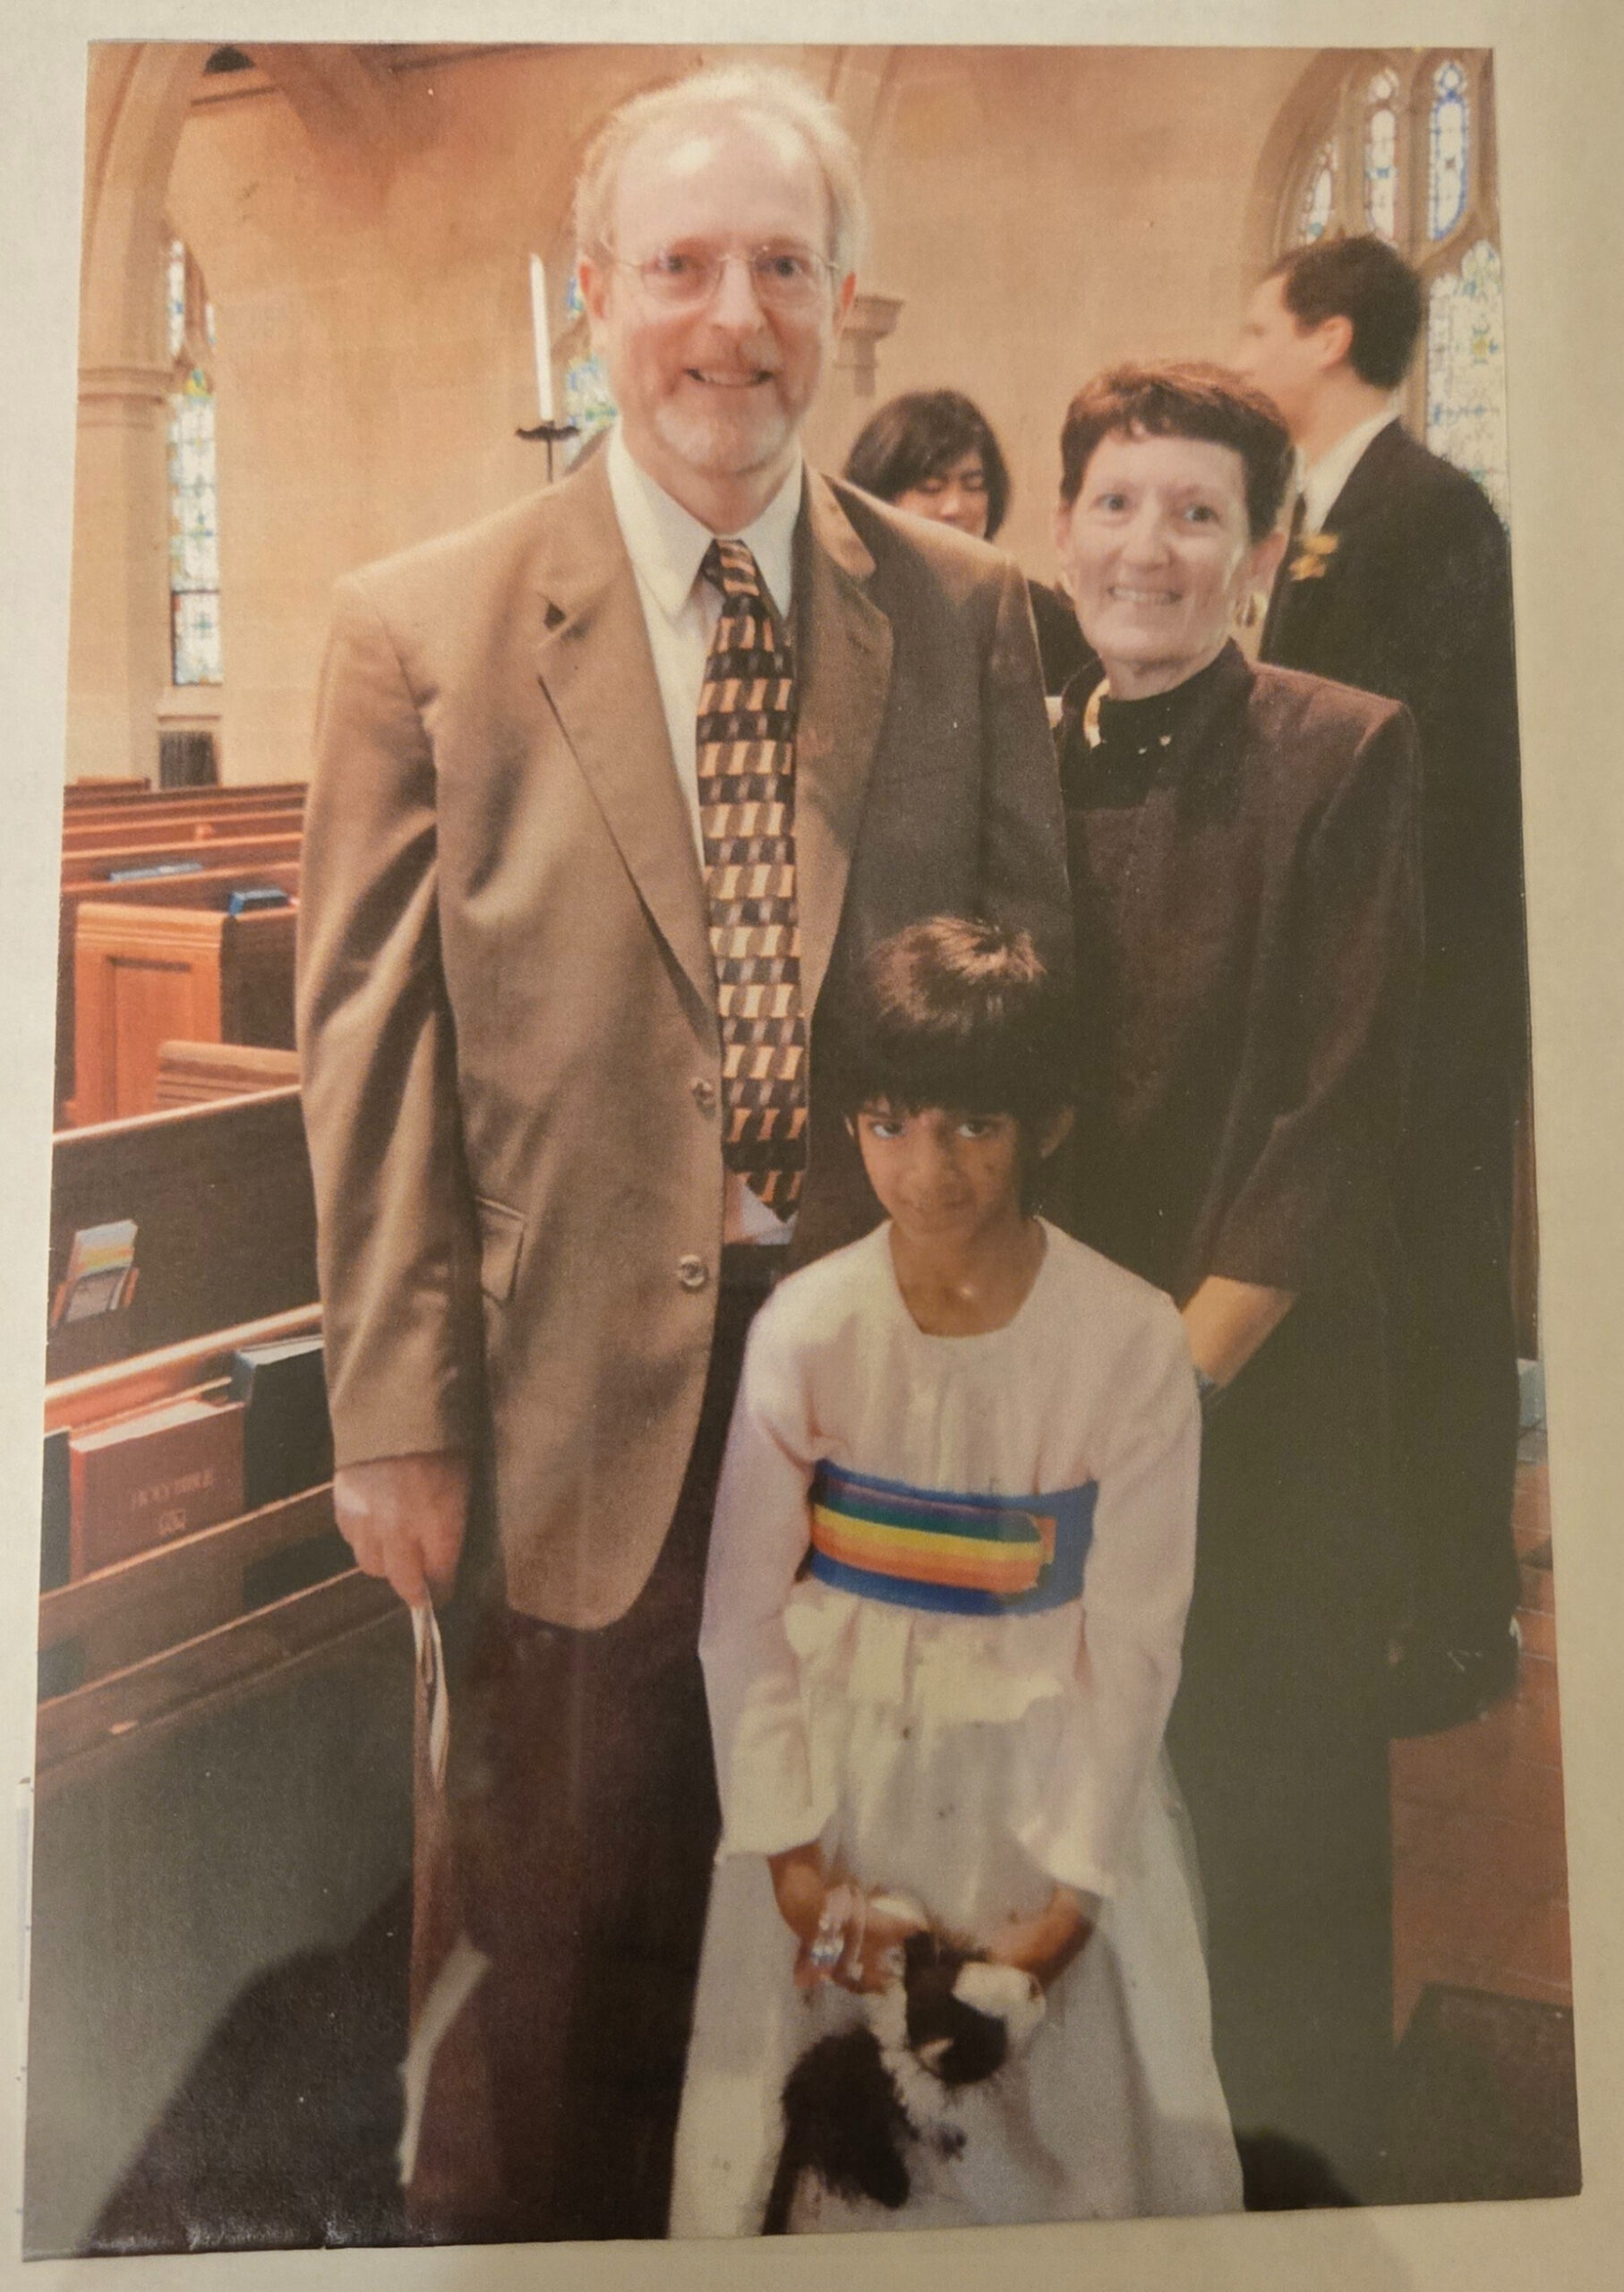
283 2132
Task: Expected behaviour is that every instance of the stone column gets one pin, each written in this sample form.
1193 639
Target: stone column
118 643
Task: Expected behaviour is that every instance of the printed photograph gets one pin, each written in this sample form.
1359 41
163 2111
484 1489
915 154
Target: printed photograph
794 1450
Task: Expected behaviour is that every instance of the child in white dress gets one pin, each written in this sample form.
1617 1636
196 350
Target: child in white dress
920 1691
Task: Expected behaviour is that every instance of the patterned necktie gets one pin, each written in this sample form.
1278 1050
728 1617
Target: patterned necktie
746 818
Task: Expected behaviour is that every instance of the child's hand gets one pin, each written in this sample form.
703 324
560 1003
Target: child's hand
803 1895
1046 1945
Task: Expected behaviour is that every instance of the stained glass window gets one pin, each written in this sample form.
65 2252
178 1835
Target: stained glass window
1447 151
587 402
1467 371
194 550
175 297
1319 195
1381 157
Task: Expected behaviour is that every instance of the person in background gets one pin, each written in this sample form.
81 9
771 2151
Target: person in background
933 453
1399 580
1245 889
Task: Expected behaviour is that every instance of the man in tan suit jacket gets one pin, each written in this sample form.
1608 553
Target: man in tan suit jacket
536 1276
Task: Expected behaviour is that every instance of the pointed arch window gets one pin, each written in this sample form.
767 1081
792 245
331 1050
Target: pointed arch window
1318 194
194 550
1381 157
1402 145
1466 371
1448 151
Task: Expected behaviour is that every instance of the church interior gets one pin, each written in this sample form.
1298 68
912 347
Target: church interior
328 309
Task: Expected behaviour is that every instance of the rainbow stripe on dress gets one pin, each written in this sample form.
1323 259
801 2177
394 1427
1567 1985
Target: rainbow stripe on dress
958 1555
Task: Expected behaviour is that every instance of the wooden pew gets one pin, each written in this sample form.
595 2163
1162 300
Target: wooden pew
108 790
211 888
161 1640
116 797
100 864
254 828
143 975
224 1732
183 833
225 1218
189 1072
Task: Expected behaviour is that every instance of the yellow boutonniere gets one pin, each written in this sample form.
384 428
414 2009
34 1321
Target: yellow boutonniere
1313 555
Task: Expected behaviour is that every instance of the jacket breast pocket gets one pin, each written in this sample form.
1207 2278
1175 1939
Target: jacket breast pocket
501 1233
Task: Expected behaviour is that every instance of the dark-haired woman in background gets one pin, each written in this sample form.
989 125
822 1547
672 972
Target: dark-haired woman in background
934 453
1240 843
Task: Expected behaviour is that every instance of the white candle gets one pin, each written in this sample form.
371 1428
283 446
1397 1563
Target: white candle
544 346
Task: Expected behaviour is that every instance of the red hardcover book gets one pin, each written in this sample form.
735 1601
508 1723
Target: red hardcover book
144 1480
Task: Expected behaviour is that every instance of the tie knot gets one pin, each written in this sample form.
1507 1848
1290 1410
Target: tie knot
730 566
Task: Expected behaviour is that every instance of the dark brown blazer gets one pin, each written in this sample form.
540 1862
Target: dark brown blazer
1248 943
507 1000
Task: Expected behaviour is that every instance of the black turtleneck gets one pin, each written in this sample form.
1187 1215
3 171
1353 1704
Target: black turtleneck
1139 740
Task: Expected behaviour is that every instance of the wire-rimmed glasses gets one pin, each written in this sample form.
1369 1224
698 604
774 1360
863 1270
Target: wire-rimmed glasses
784 277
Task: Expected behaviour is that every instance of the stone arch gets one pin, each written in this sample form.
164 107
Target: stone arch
356 114
118 648
1285 151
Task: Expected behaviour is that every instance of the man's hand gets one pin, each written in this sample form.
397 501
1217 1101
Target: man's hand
404 1518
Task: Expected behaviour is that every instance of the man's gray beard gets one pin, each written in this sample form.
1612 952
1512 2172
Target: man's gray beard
720 448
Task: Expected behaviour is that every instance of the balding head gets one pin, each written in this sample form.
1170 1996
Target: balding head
779 101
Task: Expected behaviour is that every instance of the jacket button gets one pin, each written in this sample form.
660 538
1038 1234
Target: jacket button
692 1272
704 1092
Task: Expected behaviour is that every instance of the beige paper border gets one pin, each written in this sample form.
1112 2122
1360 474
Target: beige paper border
1560 84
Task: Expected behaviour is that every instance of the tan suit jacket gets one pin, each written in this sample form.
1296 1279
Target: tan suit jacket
507 1002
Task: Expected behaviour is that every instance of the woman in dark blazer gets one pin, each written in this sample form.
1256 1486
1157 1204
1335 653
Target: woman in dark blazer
1244 870
934 453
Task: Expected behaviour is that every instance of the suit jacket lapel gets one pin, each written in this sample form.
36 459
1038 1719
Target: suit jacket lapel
843 657
598 672
1297 607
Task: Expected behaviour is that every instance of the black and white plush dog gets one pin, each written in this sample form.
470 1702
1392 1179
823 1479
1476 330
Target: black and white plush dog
856 2102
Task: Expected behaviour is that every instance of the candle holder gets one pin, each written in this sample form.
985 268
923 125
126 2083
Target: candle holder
554 432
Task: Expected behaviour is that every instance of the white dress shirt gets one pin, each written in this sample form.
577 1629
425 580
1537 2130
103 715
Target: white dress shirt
680 612
1322 480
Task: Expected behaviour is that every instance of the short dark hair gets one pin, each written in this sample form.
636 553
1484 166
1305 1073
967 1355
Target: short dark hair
1188 399
1370 284
961 1014
921 435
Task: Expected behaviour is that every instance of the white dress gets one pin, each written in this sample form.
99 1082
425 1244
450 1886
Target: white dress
968 1761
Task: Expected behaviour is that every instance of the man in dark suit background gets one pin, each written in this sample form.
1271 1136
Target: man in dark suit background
1398 580
611 790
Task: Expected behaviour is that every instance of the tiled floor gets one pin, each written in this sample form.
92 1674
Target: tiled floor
1481 1875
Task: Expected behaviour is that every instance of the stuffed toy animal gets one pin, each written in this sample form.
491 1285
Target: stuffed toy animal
856 2102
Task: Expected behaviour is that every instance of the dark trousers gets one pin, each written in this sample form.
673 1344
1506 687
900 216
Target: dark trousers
1457 1397
573 1847
1279 1740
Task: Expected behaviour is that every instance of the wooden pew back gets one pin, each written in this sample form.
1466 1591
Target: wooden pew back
144 974
226 1224
208 889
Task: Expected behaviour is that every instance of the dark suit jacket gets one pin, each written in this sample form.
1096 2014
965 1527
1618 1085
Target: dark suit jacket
1415 603
508 1001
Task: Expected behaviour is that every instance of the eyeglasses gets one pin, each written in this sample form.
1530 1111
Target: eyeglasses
685 278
